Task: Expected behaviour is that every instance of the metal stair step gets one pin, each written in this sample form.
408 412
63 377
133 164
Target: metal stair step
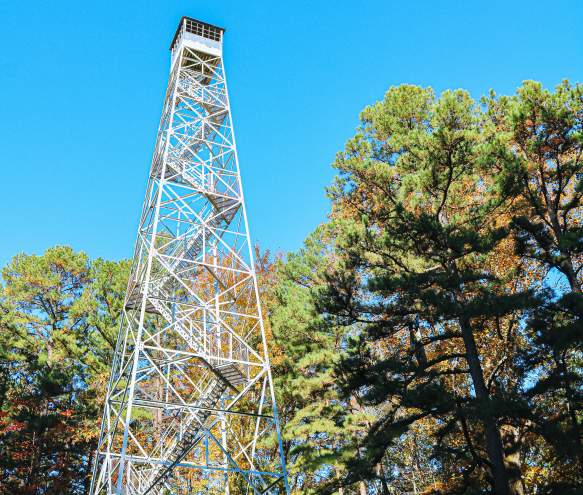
232 374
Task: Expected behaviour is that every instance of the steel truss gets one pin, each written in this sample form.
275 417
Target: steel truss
190 406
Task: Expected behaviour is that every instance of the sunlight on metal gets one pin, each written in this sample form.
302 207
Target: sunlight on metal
190 405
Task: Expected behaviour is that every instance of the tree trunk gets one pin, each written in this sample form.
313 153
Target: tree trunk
92 460
569 271
566 266
340 489
493 438
381 475
571 410
511 443
361 488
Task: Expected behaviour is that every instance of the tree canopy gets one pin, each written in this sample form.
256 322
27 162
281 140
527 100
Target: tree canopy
450 285
426 339
57 326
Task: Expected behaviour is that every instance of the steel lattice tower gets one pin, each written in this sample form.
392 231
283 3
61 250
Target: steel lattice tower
190 406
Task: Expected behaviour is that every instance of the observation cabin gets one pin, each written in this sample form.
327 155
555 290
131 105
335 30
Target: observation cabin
198 35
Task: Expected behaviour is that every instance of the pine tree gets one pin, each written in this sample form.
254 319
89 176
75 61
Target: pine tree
316 440
543 131
58 313
418 217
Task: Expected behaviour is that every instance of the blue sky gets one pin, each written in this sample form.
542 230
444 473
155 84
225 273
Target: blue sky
82 84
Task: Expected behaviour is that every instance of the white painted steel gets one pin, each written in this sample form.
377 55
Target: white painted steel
190 405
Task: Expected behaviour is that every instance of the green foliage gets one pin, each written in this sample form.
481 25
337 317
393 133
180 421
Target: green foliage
305 376
59 315
426 339
419 261
429 305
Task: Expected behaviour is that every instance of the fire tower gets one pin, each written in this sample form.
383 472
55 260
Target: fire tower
190 405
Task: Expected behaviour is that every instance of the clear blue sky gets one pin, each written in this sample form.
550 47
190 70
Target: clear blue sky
82 83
